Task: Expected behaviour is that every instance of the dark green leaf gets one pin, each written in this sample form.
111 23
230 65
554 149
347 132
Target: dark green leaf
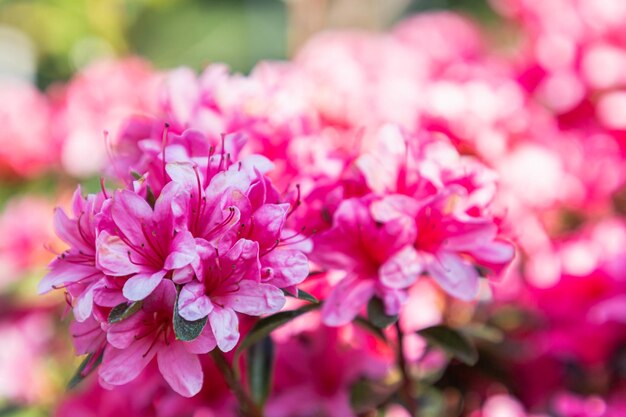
123 311
87 366
150 198
137 176
487 333
302 295
260 369
366 395
377 316
455 343
184 329
266 325
364 323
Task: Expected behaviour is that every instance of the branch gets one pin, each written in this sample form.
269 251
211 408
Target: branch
248 406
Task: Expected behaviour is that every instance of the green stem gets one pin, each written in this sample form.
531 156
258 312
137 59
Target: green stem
248 406
407 388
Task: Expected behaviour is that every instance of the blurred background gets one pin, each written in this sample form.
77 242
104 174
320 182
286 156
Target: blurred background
49 40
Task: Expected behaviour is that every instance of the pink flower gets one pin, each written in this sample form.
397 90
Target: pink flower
315 370
99 99
377 258
134 342
231 283
76 269
449 243
143 242
26 146
25 227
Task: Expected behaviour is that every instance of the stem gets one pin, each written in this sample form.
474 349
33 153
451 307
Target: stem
407 388
248 406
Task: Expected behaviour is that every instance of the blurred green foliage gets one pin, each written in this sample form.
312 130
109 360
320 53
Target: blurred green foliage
67 34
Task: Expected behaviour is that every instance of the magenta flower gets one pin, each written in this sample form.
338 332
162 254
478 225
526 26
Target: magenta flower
449 243
143 243
230 283
134 342
378 259
76 269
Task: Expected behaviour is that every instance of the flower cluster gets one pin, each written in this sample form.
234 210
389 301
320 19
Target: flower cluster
161 268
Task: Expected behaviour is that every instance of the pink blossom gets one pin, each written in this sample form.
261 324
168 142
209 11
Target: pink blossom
143 243
76 269
25 226
316 368
134 342
99 99
26 146
377 258
230 283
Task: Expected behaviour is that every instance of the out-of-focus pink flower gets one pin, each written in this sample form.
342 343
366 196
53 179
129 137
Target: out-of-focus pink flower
27 147
27 341
503 406
99 99
315 369
25 226
377 257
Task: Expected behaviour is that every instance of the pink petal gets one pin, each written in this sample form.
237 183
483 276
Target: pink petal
122 334
225 325
496 252
242 262
193 304
254 298
84 304
468 235
203 343
129 211
287 267
68 231
162 298
268 222
87 336
457 277
182 173
120 366
141 285
62 272
113 256
402 269
345 301
182 251
181 369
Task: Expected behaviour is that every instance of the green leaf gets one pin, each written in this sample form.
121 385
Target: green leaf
377 316
137 176
184 329
150 198
302 295
484 332
367 325
455 343
366 395
86 367
123 311
260 369
268 324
